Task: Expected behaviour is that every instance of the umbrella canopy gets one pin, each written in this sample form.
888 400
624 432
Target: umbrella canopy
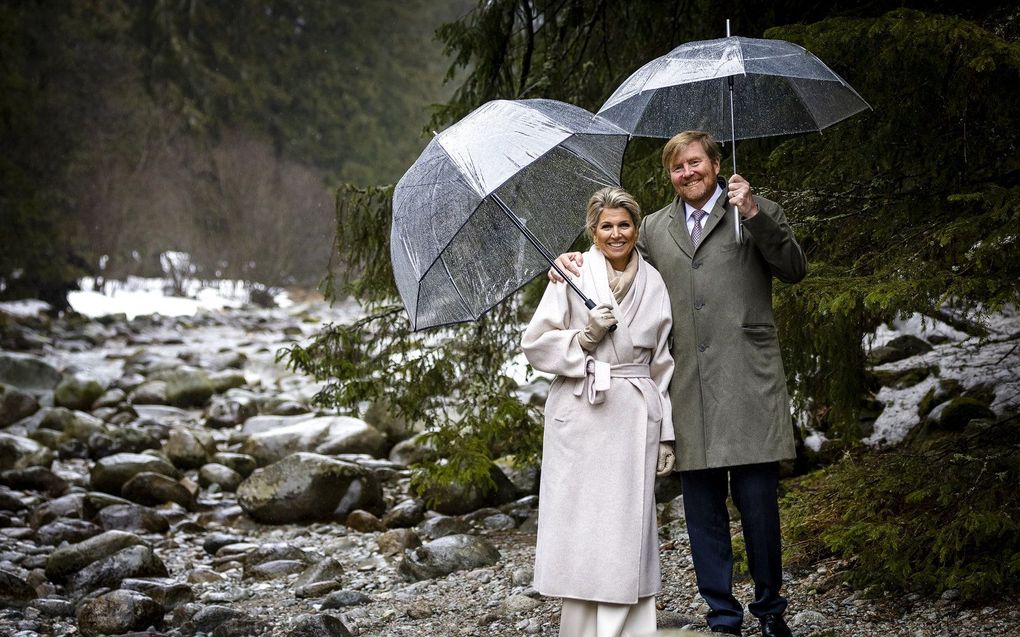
491 199
778 88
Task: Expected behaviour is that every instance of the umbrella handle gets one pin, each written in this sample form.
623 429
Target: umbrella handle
588 303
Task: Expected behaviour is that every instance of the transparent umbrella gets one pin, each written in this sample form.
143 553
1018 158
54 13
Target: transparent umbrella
732 87
491 200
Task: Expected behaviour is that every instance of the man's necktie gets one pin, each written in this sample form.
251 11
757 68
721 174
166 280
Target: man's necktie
696 230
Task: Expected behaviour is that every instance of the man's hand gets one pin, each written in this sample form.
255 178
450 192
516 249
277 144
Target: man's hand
667 458
739 194
568 262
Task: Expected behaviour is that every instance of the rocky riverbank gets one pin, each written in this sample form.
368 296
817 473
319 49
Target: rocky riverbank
168 475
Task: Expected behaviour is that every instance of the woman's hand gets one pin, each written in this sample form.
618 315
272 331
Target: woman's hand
667 458
600 319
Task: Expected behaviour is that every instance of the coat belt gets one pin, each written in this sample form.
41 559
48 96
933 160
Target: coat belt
597 375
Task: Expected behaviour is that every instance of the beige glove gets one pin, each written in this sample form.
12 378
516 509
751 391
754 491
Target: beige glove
667 458
600 319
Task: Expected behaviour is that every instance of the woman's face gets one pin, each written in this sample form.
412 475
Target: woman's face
615 236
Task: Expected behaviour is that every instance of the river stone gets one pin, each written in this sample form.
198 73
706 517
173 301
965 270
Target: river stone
15 404
79 426
66 506
364 493
897 349
53 607
442 526
14 589
247 627
215 541
518 604
134 561
151 392
301 487
218 474
319 625
111 398
11 501
187 449
251 555
239 462
262 424
34 479
77 392
273 569
68 559
327 570
328 435
413 450
152 489
363 522
96 501
230 411
405 514
163 414
55 418
206 619
132 517
28 372
66 530
118 612
959 411
343 598
110 473
396 541
17 452
446 555
457 498
186 386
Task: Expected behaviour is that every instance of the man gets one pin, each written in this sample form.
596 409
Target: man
731 410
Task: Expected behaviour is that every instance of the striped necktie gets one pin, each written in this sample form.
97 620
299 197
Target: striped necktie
696 230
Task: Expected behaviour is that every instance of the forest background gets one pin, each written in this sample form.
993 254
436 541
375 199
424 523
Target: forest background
225 131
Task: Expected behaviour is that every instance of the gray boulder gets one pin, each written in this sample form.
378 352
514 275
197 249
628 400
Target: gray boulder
405 514
227 411
239 462
319 625
226 478
77 392
413 450
441 526
396 541
301 487
15 590
132 517
457 499
188 449
15 404
328 435
17 452
446 555
118 612
134 561
261 424
69 559
152 489
186 386
110 473
28 372
66 530
153 392
165 591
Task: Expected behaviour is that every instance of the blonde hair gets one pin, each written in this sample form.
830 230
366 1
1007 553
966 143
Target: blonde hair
680 141
610 197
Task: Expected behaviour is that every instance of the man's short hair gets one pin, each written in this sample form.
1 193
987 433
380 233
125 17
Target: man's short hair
680 141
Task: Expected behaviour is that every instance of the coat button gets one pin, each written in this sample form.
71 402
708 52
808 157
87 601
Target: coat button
702 348
696 265
699 306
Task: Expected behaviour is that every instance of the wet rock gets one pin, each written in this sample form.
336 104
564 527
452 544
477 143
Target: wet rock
242 628
132 517
301 487
95 501
28 372
17 452
114 397
457 499
341 599
319 625
14 589
34 479
380 415
228 412
151 489
959 411
239 462
446 555
69 559
273 569
164 414
223 476
186 386
118 612
15 404
328 435
363 522
316 589
282 406
413 450
261 424
207 619
405 514
442 525
133 562
10 501
53 607
66 506
110 473
151 392
518 604
222 381
365 493
498 522
66 530
897 349
215 541
396 541
77 392
188 449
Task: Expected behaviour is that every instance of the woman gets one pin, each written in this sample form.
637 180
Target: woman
607 425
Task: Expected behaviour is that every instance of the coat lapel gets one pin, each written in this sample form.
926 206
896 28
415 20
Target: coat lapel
678 227
620 340
717 214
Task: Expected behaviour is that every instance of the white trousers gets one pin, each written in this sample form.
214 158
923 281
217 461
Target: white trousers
598 619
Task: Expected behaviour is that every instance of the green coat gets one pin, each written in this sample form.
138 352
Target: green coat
730 404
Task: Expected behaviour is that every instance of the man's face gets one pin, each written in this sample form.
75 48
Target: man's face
693 174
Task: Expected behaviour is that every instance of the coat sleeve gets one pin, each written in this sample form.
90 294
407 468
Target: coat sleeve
774 238
662 364
549 344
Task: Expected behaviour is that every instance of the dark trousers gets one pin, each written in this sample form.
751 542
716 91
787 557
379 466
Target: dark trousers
754 489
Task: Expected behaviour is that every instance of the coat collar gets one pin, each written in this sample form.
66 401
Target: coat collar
678 221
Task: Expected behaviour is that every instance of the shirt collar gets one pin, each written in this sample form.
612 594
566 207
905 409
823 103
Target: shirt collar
688 208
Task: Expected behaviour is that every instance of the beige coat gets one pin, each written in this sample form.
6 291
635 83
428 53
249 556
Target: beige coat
730 404
596 524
